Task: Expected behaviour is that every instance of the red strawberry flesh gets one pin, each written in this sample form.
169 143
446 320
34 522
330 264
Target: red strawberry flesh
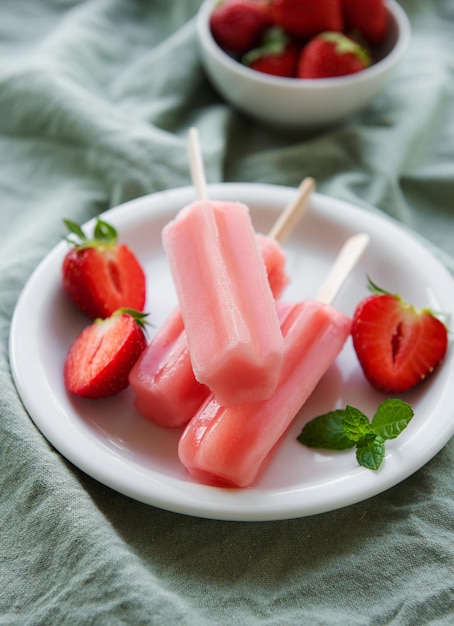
102 281
100 358
397 345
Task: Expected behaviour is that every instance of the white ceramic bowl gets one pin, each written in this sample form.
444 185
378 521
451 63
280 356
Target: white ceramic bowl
291 102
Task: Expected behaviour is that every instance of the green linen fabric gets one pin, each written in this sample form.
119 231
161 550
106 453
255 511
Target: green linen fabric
96 98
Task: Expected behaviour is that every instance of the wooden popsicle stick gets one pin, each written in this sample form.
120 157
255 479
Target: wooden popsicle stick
196 164
347 258
287 220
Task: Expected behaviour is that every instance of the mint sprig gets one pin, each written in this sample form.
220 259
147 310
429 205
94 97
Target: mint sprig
342 429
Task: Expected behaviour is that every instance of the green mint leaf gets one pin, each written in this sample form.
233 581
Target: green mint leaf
370 451
355 424
391 418
342 429
326 431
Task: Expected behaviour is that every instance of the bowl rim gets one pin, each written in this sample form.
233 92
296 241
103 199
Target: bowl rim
208 42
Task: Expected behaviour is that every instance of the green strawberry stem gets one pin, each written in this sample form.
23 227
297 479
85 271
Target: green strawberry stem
104 235
138 316
374 288
274 42
346 45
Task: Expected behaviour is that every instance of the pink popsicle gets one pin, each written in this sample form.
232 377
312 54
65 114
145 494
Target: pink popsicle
225 300
228 445
165 389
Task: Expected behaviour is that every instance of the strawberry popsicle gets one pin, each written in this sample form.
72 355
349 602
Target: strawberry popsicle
166 391
229 445
225 300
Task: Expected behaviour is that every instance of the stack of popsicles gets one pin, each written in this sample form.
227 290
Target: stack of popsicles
233 362
171 379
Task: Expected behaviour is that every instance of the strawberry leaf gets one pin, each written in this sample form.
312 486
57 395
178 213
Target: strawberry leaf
139 317
326 431
391 418
370 452
105 232
76 231
274 42
375 289
346 45
104 235
355 424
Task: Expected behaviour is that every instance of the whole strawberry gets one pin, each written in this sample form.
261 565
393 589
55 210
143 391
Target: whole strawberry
307 18
278 55
99 274
237 25
370 18
397 345
332 54
100 358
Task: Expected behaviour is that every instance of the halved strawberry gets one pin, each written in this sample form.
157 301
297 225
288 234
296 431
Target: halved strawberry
100 358
99 274
397 345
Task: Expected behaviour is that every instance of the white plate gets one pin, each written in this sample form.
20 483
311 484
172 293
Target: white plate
109 441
